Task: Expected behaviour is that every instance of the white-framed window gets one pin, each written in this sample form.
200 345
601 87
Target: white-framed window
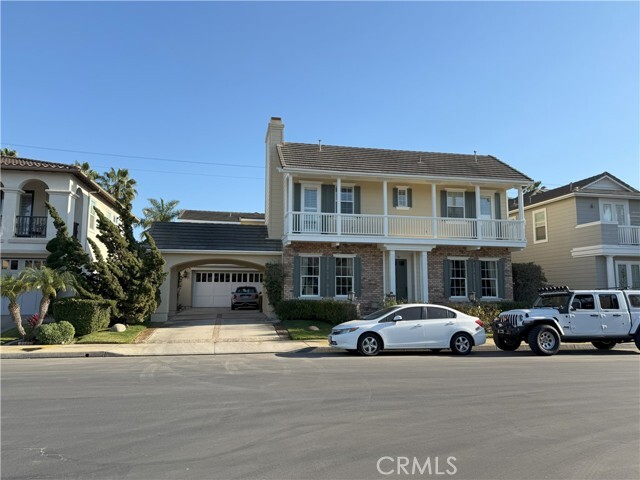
455 204
540 233
310 198
489 278
403 197
458 277
613 212
92 215
346 199
9 264
344 275
309 276
628 275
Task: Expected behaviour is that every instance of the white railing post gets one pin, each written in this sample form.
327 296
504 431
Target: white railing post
521 212
385 209
290 203
339 206
434 210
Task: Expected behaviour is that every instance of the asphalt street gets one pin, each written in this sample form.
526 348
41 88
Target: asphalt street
324 416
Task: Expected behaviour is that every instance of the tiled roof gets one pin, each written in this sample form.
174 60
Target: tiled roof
396 162
31 165
209 216
533 198
213 236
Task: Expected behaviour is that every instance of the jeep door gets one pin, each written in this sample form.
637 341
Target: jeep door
584 315
614 315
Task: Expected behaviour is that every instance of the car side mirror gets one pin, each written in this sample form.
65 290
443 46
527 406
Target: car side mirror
397 317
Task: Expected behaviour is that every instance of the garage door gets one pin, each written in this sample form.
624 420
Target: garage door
213 289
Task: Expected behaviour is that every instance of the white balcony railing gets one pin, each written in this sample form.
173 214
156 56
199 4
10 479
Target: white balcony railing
302 223
629 235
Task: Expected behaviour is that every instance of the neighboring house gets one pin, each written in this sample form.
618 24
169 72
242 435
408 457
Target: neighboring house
419 225
26 225
585 234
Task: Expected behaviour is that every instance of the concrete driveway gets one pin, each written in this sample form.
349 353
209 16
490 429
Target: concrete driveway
213 325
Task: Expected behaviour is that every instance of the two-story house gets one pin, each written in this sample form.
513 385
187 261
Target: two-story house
585 234
420 226
26 225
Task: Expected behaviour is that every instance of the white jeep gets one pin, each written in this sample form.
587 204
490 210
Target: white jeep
602 317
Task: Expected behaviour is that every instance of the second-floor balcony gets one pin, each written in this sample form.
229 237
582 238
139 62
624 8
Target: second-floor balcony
402 226
31 227
628 234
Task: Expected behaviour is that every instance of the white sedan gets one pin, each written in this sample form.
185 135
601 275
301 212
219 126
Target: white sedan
412 326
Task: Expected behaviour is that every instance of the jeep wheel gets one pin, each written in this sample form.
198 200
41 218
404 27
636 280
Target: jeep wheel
506 343
604 344
544 340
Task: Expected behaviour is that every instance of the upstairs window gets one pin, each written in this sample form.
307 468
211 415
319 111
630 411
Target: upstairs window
540 226
455 204
92 215
403 197
346 200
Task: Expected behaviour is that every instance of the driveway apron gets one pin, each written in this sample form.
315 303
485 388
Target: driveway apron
213 325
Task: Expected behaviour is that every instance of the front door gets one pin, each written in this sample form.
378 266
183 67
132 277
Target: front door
487 228
405 333
402 292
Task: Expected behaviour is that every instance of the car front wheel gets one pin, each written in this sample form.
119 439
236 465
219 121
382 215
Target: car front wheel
604 344
544 340
508 344
461 344
369 344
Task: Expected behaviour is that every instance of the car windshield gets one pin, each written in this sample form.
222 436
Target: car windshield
559 301
246 290
380 313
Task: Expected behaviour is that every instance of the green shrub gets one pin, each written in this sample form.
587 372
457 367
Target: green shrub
87 316
55 333
331 311
527 279
274 276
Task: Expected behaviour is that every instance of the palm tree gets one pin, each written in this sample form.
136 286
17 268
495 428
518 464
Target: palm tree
8 153
160 211
119 184
87 170
49 282
12 287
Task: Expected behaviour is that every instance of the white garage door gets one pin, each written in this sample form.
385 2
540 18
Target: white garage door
213 289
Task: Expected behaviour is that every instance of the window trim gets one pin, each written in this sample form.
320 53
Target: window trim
464 207
546 225
466 280
404 188
319 276
497 278
338 198
614 202
353 274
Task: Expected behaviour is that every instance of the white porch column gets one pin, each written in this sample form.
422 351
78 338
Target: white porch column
392 271
289 204
478 227
521 211
385 211
425 277
434 209
9 210
611 273
64 203
339 206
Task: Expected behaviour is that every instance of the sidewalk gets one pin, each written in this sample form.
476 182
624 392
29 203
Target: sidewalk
214 348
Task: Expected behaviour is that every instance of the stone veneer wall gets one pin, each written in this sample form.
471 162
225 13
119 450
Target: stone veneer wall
370 262
436 257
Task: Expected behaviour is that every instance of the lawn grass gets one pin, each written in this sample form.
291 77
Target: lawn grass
106 336
299 329
9 336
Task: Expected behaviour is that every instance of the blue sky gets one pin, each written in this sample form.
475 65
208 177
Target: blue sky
550 88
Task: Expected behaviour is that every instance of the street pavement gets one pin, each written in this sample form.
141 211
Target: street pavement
494 415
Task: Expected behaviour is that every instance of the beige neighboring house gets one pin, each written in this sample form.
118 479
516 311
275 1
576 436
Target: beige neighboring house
422 226
26 225
585 234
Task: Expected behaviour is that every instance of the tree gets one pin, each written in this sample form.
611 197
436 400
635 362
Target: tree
534 187
159 211
119 184
527 279
8 153
12 287
87 170
49 282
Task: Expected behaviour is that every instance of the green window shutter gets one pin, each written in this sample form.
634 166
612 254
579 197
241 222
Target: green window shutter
395 197
296 197
296 276
501 289
447 278
328 199
474 279
470 204
331 277
443 203
357 280
498 206
356 200
409 198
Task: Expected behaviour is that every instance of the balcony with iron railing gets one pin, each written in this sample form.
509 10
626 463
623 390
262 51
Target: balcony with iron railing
31 227
397 226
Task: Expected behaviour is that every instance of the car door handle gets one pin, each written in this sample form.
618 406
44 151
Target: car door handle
449 323
595 315
617 315
417 325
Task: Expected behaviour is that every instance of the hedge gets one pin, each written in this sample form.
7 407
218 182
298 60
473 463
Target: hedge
486 311
331 311
87 316
55 333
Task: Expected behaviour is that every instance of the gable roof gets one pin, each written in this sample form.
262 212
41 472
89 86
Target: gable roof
31 165
304 156
213 236
533 198
215 216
